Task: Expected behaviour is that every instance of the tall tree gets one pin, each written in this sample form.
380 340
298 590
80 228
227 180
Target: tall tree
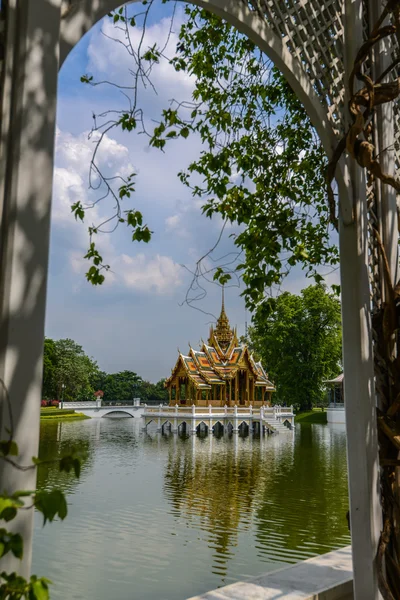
49 369
121 387
299 341
66 364
74 369
153 392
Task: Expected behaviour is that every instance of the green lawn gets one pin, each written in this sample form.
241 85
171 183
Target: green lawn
311 416
51 413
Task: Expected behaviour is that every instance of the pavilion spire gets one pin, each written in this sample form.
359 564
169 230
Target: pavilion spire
223 331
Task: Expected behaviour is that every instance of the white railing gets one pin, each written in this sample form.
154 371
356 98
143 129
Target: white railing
271 411
84 404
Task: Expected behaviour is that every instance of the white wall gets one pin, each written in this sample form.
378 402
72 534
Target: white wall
336 415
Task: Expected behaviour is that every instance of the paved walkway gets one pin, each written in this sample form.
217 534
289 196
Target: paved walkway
325 577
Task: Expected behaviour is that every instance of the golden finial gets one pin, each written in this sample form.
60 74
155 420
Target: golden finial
223 332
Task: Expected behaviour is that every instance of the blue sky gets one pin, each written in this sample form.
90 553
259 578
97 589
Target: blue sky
134 321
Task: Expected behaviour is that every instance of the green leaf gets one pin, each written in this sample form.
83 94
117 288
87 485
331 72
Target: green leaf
94 276
17 545
11 542
86 78
51 504
184 132
8 448
78 210
127 122
9 513
9 507
40 589
67 463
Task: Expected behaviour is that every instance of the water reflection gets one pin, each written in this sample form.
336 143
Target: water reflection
215 484
167 517
292 490
56 442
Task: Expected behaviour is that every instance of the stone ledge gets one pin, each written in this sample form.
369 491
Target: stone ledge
325 577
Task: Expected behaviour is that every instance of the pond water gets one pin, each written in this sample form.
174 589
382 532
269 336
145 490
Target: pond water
164 518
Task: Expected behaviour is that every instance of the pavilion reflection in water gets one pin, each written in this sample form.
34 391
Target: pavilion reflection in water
227 486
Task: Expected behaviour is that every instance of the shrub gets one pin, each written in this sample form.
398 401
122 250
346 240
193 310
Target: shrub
43 403
54 403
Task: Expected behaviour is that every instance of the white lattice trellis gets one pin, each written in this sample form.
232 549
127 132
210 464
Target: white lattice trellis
313 31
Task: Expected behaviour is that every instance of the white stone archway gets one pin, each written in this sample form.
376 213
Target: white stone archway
38 36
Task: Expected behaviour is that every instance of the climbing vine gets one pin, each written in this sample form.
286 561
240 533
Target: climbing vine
358 142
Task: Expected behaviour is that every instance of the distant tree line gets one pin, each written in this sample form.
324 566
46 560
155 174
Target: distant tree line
69 373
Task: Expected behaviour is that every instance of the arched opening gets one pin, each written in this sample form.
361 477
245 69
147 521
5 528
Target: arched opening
166 427
183 429
117 414
22 321
218 429
244 429
202 429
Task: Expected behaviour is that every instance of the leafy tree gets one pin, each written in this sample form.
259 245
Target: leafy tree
49 367
75 370
153 392
299 341
121 387
98 380
65 363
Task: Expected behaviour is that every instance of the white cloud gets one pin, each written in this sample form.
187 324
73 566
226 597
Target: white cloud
71 173
68 188
172 222
159 274
179 225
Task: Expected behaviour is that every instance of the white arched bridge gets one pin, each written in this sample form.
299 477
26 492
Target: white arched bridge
98 410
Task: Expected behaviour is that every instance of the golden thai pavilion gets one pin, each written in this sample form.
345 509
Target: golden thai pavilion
222 373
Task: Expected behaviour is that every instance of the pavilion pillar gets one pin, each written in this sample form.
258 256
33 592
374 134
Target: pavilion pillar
27 127
237 387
